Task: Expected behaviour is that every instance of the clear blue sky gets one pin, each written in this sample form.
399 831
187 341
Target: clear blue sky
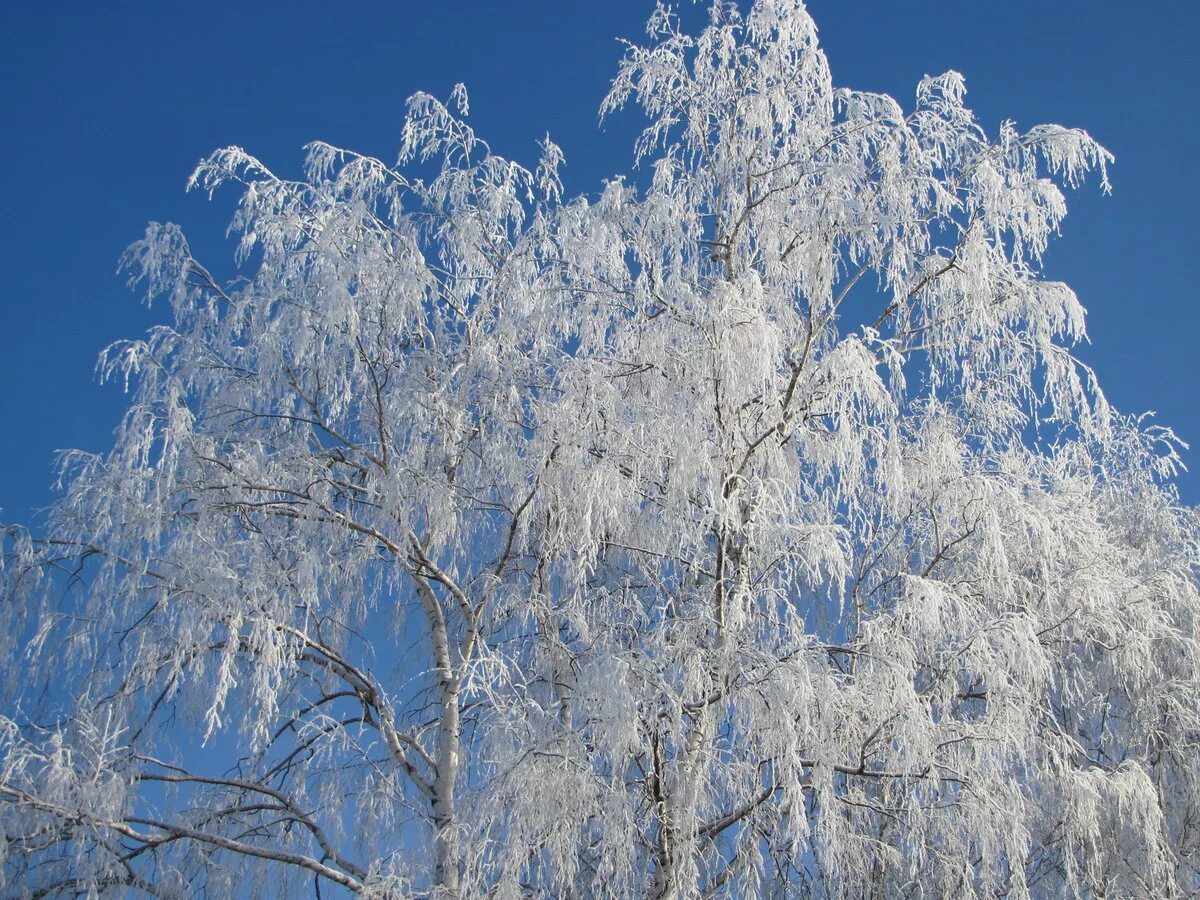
106 109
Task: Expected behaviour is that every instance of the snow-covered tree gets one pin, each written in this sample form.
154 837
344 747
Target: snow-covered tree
749 532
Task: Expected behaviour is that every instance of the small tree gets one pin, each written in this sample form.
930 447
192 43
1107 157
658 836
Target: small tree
751 533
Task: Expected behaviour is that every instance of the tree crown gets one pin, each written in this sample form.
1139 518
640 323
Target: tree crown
754 531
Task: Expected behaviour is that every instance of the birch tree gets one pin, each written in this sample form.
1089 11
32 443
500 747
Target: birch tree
744 528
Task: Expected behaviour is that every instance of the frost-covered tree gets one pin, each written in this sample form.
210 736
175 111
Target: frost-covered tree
751 532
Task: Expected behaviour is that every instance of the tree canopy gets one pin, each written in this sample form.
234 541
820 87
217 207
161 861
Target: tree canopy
746 528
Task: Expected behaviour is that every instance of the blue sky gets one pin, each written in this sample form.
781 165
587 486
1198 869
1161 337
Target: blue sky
106 109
